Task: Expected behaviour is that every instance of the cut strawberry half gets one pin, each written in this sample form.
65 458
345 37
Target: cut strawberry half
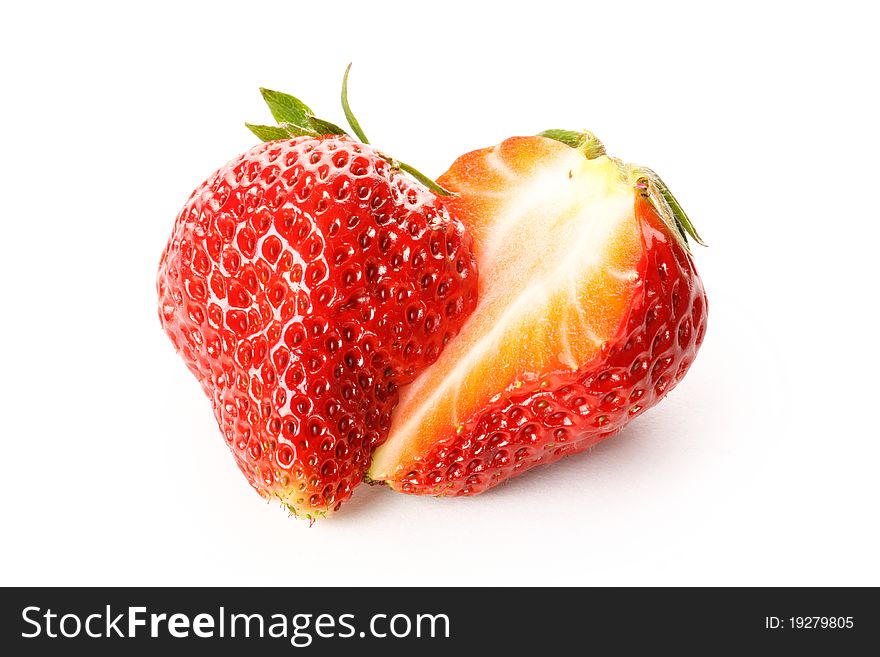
589 312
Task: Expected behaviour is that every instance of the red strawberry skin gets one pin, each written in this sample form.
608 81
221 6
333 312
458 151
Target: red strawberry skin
561 413
302 284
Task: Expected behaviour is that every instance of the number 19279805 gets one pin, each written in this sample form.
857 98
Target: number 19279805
809 622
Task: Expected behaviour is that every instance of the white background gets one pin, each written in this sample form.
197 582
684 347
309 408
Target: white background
761 468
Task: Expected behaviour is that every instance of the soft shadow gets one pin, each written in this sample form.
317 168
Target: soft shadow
366 498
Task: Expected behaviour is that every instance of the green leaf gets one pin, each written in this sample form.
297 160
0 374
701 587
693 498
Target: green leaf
296 117
268 132
685 226
298 130
582 141
571 138
682 222
349 115
287 109
325 127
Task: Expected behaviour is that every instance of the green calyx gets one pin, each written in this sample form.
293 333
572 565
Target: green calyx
586 141
653 186
296 119
647 182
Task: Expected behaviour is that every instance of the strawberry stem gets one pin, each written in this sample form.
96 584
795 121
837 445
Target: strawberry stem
397 164
296 119
422 178
349 115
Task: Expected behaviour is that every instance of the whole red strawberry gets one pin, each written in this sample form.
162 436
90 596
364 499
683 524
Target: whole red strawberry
303 283
590 312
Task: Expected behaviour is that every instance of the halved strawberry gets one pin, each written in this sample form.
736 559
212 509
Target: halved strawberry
590 311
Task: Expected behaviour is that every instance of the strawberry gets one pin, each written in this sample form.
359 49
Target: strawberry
590 312
305 282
